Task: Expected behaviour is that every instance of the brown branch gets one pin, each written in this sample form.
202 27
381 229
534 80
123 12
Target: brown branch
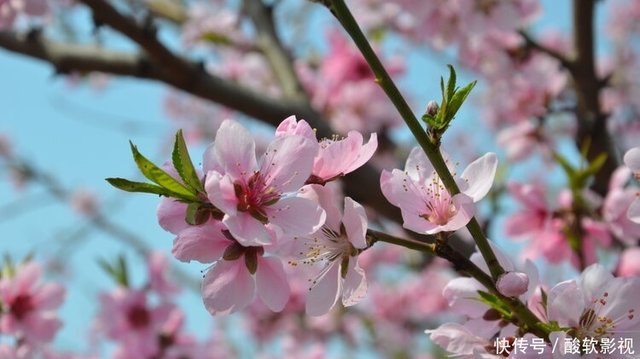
268 41
592 128
534 44
362 185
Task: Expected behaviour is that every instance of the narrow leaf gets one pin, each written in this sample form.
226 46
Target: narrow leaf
458 99
159 176
131 186
451 83
183 164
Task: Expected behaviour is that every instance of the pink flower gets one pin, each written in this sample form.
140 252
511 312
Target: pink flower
336 157
427 207
632 160
335 246
127 317
158 268
597 306
28 306
230 284
618 207
252 195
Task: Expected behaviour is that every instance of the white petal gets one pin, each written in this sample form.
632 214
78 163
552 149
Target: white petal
479 175
355 284
355 223
325 293
235 150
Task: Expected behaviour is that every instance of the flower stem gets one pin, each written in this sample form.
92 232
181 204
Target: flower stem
344 16
376 236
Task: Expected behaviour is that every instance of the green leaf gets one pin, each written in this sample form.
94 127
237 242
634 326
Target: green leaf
123 273
596 164
183 164
197 214
451 83
215 38
566 166
457 100
160 177
131 186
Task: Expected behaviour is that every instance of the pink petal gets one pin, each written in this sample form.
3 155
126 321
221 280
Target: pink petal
401 191
234 149
49 296
355 284
247 230
41 328
466 210
633 213
355 223
479 176
227 287
326 291
328 198
204 243
632 159
565 303
288 162
171 215
290 126
221 192
364 153
296 215
418 165
271 280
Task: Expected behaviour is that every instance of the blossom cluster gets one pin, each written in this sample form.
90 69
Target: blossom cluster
258 212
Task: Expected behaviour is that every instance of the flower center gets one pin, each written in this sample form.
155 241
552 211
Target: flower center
439 205
595 325
138 316
21 306
253 195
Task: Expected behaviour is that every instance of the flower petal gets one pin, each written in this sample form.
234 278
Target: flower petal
355 223
227 287
633 213
479 176
355 284
221 192
325 292
296 215
204 243
171 215
247 230
287 163
234 150
272 284
632 159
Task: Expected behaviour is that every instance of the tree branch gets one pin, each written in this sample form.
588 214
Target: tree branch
361 185
592 127
532 43
269 43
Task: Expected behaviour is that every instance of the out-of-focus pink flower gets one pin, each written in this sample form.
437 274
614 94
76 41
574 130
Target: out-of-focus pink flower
28 306
336 156
127 317
629 263
520 140
334 246
5 146
632 160
427 207
84 202
618 205
252 195
158 269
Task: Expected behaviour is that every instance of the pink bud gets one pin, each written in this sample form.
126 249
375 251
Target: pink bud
513 284
432 108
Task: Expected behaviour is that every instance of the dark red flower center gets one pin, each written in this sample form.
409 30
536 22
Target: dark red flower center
138 316
21 306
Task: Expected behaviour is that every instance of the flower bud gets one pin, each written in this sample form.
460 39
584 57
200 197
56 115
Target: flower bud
513 284
432 108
